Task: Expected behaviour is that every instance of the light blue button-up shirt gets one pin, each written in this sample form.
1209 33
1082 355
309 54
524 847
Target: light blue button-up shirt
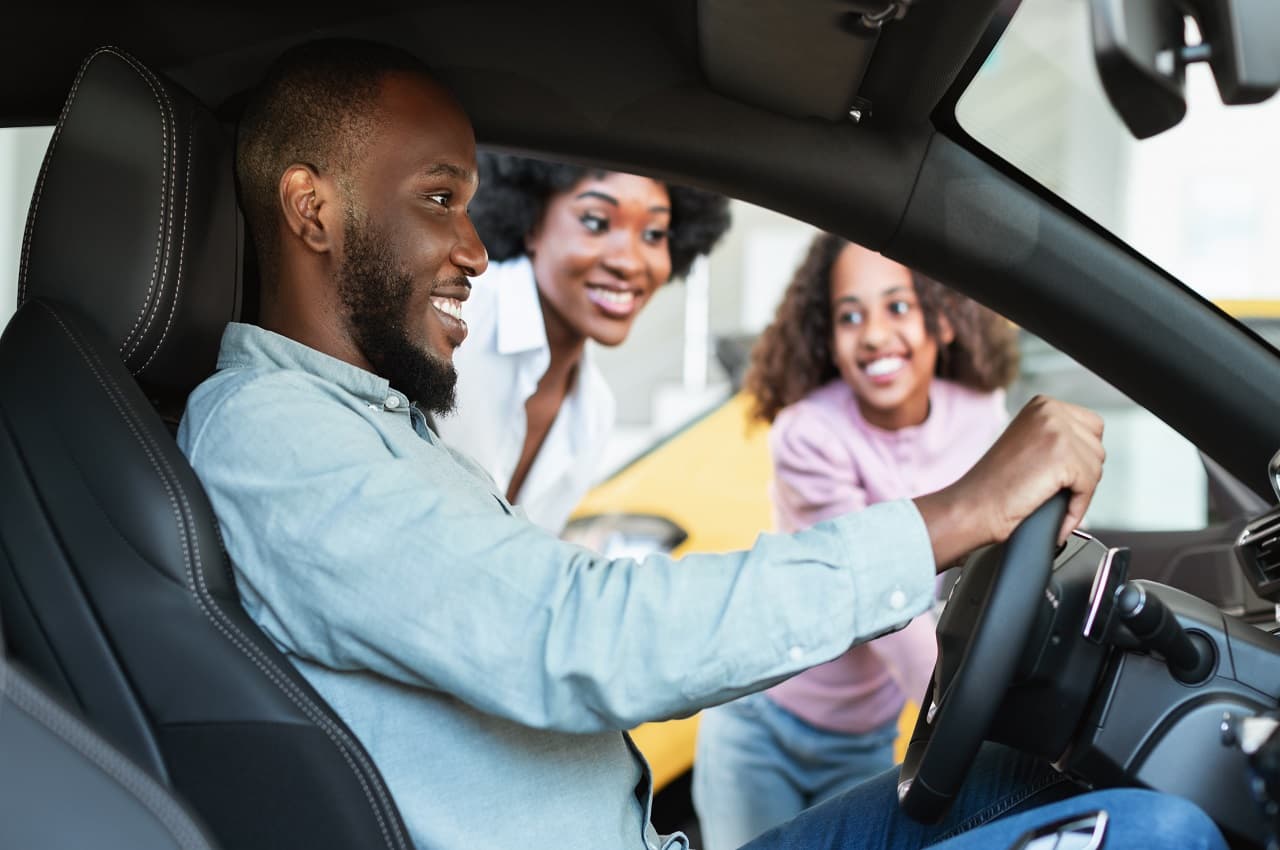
488 667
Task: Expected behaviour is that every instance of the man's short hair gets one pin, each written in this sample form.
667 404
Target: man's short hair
317 105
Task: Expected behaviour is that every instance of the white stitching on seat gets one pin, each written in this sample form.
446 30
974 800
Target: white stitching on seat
144 789
28 234
168 133
182 251
209 607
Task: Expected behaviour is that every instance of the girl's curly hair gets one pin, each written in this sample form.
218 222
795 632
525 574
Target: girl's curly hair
514 191
793 356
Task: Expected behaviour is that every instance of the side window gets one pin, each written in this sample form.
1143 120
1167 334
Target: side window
1154 479
21 152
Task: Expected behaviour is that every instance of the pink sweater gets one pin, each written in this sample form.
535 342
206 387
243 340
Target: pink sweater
827 461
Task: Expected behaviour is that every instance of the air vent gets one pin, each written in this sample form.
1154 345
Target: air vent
1258 552
1268 558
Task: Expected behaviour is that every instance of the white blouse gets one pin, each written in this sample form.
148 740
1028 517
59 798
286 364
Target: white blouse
499 365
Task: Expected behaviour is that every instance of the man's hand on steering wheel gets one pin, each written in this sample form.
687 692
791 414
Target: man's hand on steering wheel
1049 446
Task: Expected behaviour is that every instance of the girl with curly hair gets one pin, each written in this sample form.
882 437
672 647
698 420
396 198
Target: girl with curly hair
579 253
881 384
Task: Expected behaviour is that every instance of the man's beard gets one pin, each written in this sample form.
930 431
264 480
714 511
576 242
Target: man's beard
376 295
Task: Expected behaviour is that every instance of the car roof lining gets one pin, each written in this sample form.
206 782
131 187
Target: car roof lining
557 78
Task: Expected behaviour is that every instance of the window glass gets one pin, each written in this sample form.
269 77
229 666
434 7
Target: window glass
1200 200
21 152
1153 479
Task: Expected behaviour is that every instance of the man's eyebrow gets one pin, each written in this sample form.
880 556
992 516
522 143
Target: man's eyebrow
447 169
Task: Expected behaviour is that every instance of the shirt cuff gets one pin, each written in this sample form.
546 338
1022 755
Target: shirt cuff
890 558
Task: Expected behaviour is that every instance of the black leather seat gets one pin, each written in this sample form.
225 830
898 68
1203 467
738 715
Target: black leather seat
62 787
116 592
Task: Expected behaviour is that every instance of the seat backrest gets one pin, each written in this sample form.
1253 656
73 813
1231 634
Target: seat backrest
116 591
62 787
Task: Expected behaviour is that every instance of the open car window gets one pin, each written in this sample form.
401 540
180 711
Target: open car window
1198 200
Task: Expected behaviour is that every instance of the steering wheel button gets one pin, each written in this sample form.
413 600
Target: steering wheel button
897 600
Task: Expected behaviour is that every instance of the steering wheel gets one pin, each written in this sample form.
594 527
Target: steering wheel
981 635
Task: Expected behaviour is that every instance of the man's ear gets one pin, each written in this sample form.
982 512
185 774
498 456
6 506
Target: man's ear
310 207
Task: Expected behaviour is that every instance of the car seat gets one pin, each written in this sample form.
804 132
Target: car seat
116 590
50 758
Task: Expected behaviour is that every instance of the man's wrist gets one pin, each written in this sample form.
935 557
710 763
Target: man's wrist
955 528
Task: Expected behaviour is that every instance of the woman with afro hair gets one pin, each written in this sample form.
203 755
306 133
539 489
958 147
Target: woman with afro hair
576 253
880 384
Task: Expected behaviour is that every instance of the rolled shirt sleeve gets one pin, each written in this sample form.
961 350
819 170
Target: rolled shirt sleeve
358 546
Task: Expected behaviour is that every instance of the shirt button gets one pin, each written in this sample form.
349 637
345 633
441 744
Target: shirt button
796 653
897 599
392 402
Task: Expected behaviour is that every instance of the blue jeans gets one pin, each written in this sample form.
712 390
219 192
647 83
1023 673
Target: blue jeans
758 765
1006 794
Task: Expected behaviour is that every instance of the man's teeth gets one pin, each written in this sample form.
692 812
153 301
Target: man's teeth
613 296
884 366
448 306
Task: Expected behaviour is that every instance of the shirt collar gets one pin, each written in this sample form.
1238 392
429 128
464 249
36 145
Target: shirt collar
249 346
519 313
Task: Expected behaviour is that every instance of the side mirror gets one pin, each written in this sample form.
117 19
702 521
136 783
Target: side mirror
1141 52
629 535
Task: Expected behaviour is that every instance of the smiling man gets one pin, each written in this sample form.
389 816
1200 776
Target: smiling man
367 226
488 667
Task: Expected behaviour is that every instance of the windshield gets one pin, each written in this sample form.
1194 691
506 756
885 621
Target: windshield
1200 200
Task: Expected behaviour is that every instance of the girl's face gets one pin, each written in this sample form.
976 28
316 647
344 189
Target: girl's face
879 341
599 253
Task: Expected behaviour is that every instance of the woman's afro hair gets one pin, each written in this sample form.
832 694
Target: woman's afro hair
514 191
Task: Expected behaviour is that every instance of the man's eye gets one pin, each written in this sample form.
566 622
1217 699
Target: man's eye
656 235
439 198
594 223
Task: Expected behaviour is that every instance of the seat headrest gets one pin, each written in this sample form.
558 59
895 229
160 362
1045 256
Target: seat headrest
134 223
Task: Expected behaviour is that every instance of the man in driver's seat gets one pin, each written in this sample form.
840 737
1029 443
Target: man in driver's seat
490 668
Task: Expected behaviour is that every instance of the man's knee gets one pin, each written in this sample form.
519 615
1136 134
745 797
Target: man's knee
1162 820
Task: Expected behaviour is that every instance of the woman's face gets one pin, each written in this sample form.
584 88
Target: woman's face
600 252
879 340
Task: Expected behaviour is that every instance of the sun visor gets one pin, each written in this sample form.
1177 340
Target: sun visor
805 60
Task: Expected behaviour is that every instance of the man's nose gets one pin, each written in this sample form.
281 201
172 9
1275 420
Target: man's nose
469 253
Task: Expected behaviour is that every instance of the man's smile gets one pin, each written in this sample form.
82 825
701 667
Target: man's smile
446 299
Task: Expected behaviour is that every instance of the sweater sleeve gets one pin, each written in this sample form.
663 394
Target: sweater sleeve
815 476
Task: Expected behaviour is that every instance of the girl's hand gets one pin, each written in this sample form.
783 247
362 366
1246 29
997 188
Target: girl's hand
1049 445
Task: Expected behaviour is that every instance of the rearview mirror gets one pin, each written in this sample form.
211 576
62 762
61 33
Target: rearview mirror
1134 42
1141 51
